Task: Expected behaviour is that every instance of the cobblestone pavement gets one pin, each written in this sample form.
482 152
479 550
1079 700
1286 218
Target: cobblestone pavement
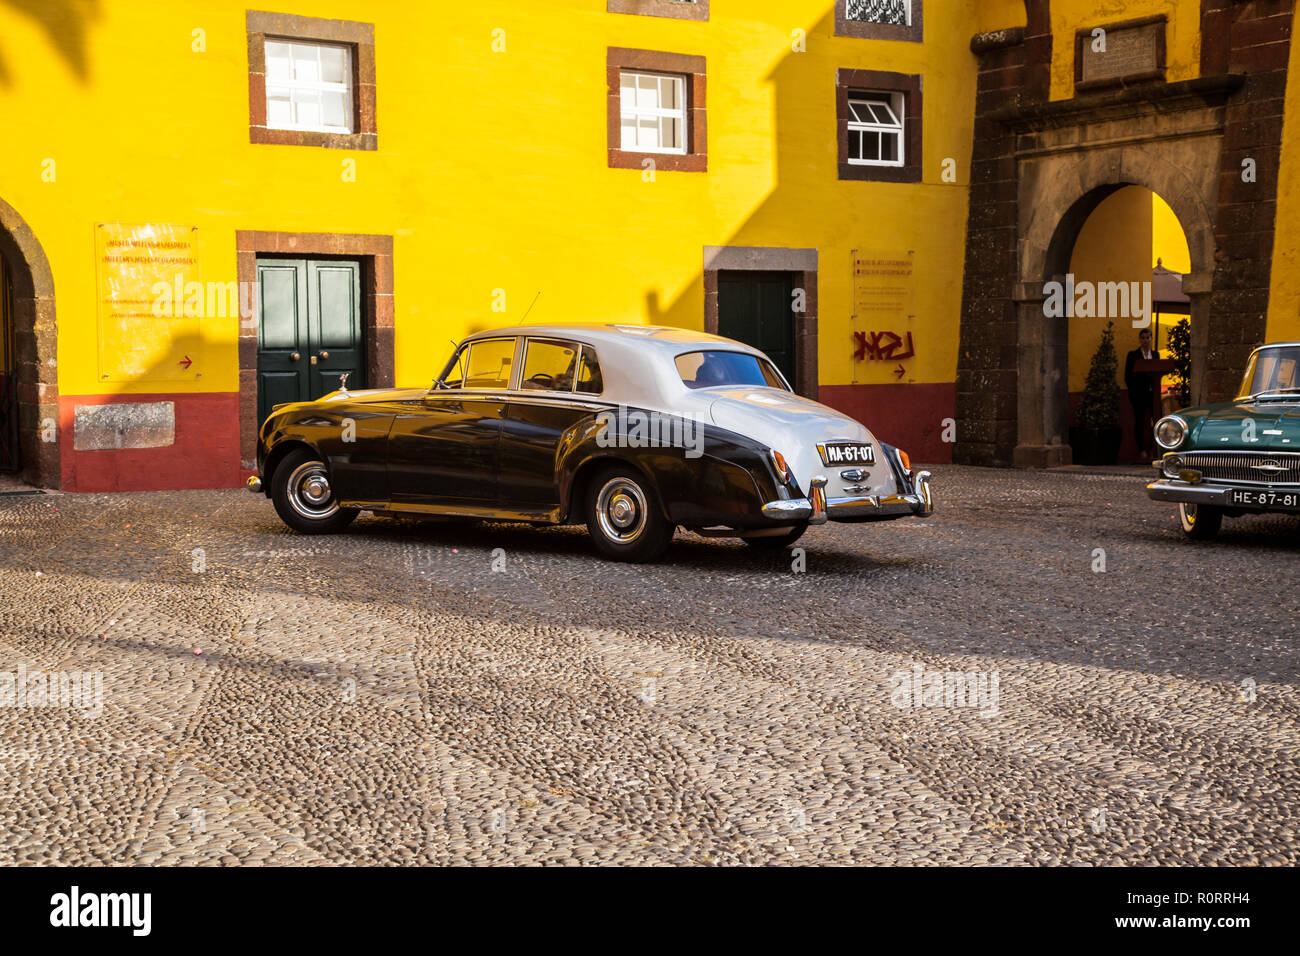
385 696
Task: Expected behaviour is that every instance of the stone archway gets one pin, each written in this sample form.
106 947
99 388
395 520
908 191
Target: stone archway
1063 178
1040 166
35 348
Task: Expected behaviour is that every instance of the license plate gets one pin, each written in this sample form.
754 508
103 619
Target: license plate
1289 500
847 453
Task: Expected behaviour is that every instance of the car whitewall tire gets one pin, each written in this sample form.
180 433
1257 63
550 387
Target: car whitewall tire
1200 522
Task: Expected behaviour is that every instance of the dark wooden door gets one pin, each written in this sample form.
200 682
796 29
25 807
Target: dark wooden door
309 313
757 308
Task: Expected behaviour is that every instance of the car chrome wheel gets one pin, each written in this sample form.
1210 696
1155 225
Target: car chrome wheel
309 491
621 510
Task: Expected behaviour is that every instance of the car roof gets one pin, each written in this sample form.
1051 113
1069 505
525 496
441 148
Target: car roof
636 337
1279 345
636 360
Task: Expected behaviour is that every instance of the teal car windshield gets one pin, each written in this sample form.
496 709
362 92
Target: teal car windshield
1272 371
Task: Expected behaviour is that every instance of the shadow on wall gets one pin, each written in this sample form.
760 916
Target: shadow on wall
66 24
798 133
907 414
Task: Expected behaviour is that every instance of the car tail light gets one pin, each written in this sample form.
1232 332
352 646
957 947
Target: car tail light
907 462
782 469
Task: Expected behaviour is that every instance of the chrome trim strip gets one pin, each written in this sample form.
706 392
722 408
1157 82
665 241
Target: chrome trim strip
487 512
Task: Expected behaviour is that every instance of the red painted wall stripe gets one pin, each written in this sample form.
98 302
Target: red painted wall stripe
205 453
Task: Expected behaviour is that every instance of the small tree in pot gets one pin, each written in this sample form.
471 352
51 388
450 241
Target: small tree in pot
1180 346
1095 440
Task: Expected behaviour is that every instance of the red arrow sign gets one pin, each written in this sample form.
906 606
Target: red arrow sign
185 362
900 371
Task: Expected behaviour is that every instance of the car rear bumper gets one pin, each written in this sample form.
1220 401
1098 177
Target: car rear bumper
817 508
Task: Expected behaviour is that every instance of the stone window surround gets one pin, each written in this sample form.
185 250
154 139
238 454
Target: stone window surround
802 265
376 256
618 59
675 9
844 27
1084 35
359 36
849 81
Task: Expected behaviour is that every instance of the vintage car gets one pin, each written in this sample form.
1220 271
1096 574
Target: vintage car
631 430
1238 457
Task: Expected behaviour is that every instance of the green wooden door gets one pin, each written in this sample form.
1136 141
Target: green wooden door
756 308
309 329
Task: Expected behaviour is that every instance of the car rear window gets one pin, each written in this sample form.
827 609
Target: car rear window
712 368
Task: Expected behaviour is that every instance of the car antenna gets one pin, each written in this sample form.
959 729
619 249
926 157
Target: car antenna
530 306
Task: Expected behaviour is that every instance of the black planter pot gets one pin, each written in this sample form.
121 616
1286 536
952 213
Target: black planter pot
1095 446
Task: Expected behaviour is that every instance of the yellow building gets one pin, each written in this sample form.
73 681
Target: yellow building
206 208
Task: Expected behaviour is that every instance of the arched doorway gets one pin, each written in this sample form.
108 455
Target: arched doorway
1061 193
1040 166
1125 275
30 360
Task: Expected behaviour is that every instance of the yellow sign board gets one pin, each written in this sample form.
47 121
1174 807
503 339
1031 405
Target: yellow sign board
145 331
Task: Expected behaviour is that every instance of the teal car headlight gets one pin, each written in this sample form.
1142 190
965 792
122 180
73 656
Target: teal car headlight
1170 432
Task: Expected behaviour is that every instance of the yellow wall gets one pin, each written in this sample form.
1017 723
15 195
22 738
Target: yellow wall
491 171
1168 241
1121 242
1182 38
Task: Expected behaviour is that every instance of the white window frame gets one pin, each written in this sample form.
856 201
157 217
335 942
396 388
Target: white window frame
294 85
907 4
896 102
638 113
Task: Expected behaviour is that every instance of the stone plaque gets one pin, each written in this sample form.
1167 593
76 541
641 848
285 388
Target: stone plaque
125 425
1130 51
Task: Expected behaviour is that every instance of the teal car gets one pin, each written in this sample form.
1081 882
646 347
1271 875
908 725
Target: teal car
1238 457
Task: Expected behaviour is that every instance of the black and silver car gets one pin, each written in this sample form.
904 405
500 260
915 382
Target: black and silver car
630 430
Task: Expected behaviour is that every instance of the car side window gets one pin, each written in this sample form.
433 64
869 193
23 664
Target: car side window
488 364
549 366
590 380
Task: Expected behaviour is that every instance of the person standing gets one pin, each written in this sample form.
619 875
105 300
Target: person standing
1141 393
